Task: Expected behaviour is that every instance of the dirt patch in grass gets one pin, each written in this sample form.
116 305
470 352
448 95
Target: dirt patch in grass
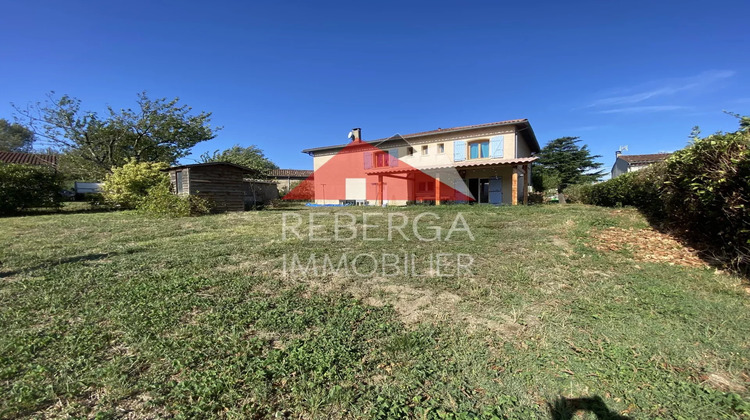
723 382
647 245
415 305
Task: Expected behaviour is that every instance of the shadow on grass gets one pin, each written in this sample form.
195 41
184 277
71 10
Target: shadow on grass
87 257
565 408
63 210
733 259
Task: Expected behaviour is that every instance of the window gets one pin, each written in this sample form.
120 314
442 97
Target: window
479 149
441 148
380 159
426 186
178 181
409 151
425 150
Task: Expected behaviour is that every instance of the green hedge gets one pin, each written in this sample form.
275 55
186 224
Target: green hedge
706 189
26 186
703 190
578 193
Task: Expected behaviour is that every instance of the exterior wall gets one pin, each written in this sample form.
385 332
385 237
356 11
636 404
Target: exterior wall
285 184
620 167
633 168
321 159
522 146
223 185
259 192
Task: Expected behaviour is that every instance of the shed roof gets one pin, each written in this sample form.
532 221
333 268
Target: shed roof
209 164
521 122
28 158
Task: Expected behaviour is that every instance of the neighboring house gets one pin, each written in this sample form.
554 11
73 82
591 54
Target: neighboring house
630 163
485 163
228 186
285 177
21 158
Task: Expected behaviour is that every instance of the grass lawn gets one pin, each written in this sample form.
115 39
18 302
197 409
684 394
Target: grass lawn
119 315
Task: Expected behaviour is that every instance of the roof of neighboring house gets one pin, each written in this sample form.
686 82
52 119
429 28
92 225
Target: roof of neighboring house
28 158
644 159
290 173
524 123
201 165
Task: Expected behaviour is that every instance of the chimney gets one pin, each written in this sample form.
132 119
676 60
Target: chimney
618 153
357 135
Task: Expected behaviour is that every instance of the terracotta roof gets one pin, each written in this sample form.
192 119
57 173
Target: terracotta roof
291 173
531 136
457 165
28 158
466 127
644 159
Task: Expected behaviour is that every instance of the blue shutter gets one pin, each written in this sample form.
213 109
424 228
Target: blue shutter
393 157
459 151
497 144
368 159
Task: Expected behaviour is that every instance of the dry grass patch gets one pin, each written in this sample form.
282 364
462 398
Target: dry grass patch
647 245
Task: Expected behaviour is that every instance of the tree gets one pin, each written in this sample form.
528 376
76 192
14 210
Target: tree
15 137
251 157
571 164
160 130
543 181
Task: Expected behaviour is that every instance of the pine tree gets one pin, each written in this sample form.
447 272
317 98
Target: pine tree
564 160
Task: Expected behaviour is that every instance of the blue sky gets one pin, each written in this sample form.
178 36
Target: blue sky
291 75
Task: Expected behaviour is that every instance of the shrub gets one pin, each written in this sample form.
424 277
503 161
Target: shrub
160 201
702 190
578 193
706 189
544 181
25 186
536 198
127 185
640 189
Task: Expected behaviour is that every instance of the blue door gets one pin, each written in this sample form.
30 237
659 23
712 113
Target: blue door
496 190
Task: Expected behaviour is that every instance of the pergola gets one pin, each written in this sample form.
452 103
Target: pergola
520 166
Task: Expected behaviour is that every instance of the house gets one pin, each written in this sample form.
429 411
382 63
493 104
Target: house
285 177
485 163
228 186
21 158
630 163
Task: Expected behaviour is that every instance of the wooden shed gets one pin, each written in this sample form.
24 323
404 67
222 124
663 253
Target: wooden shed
221 182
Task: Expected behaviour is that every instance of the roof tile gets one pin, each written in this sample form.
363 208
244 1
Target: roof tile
291 173
656 157
28 158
